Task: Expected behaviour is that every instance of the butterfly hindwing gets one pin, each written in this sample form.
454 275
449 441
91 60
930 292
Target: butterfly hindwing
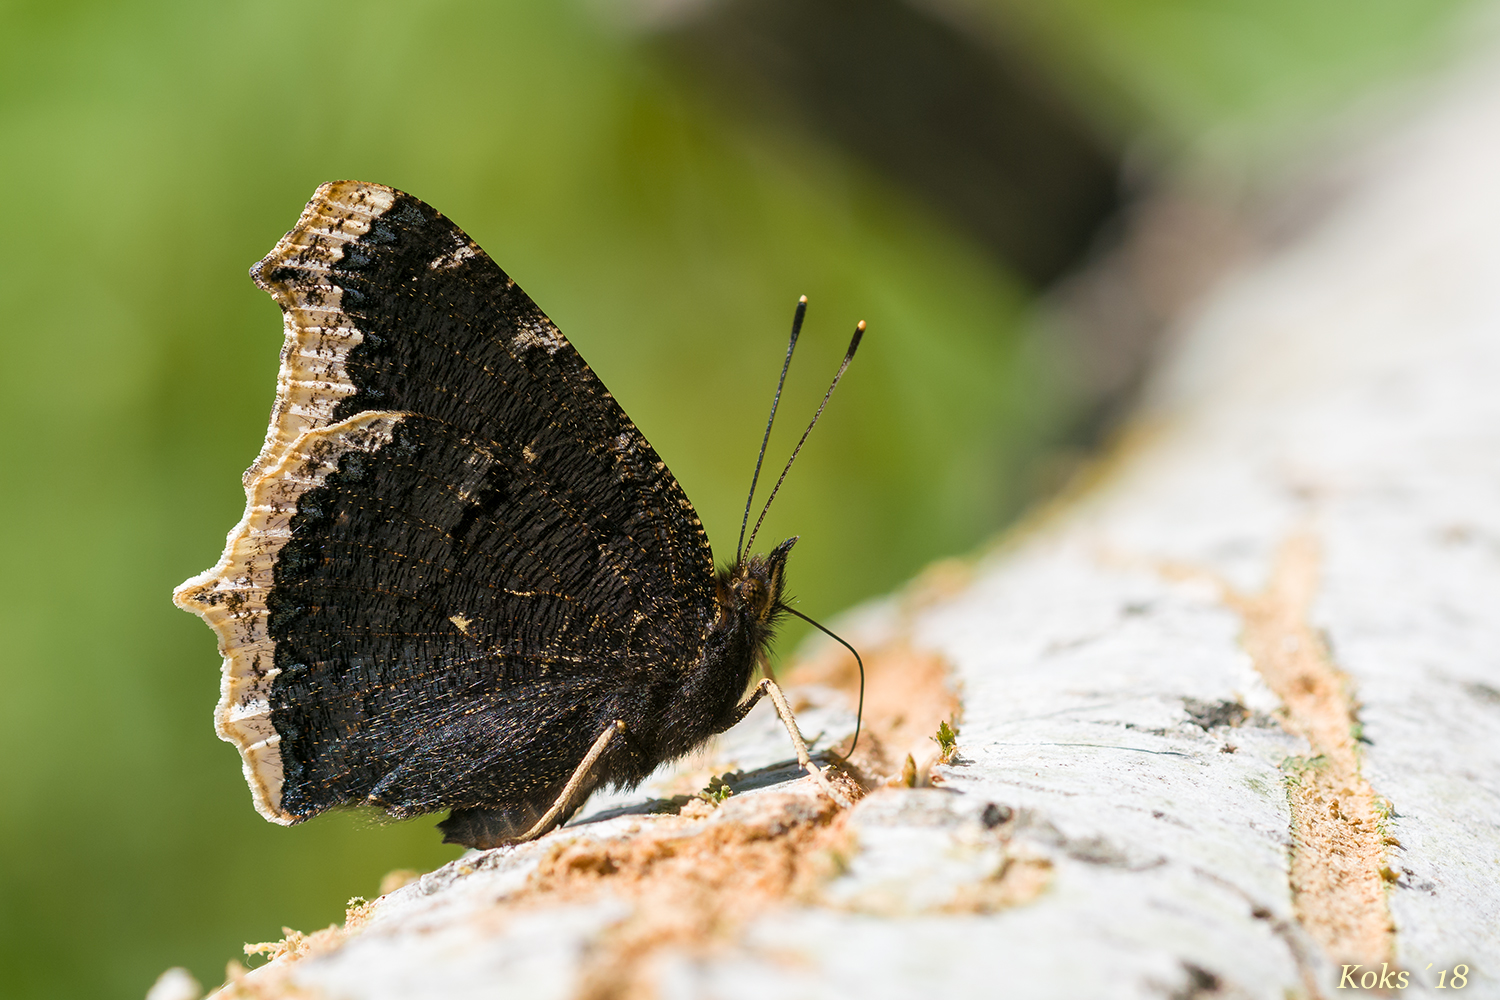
456 545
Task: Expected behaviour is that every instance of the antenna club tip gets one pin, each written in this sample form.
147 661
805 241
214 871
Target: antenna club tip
859 334
802 301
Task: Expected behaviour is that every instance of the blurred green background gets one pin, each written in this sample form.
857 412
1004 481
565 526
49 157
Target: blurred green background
152 151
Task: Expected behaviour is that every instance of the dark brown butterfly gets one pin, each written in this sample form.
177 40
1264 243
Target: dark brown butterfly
464 580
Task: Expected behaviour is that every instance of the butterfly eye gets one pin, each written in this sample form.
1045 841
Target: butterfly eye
752 592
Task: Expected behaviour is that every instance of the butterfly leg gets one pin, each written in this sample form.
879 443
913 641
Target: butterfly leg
784 711
580 775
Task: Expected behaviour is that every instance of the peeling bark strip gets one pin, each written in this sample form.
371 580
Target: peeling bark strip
1338 840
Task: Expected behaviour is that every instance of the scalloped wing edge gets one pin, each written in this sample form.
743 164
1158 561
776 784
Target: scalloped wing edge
312 380
231 597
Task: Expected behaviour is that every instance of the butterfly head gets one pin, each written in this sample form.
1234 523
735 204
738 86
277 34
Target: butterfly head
756 583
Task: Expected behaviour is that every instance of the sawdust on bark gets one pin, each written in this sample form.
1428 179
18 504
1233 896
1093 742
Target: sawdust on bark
690 890
270 981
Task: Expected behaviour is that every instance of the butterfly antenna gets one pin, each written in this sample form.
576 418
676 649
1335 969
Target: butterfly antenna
860 713
791 346
859 332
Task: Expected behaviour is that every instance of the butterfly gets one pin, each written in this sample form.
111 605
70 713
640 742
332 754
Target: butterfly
464 580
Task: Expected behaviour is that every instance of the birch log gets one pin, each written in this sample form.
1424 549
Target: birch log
1228 715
